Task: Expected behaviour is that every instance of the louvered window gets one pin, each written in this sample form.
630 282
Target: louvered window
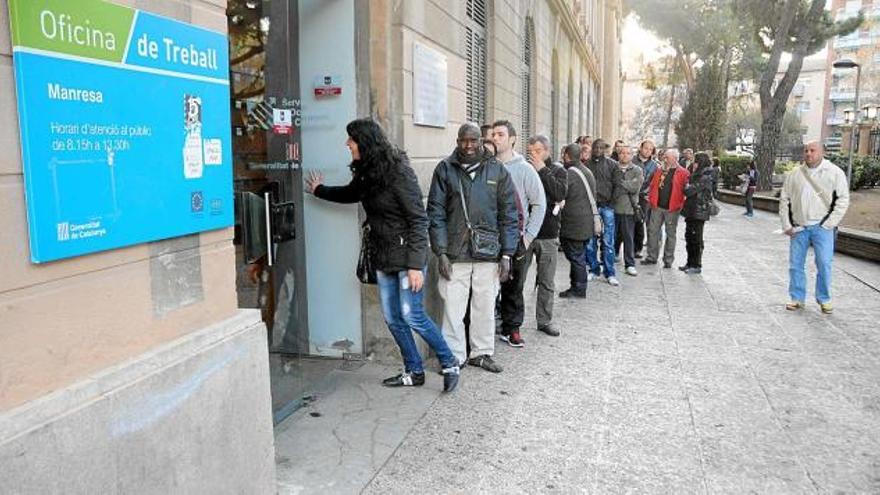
475 51
554 102
569 102
526 96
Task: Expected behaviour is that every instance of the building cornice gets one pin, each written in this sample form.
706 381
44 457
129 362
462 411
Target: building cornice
569 23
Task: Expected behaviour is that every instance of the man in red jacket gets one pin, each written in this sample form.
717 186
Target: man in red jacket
666 198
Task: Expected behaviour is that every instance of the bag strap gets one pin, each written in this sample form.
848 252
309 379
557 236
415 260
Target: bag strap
464 205
818 190
589 191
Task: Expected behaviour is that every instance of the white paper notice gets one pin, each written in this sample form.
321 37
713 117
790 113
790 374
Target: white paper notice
192 156
213 152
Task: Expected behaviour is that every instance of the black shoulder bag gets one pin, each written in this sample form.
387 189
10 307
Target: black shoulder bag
366 272
484 243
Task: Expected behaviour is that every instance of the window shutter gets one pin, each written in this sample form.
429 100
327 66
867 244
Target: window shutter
475 51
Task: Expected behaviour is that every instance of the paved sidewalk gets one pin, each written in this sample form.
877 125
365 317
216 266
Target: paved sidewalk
668 384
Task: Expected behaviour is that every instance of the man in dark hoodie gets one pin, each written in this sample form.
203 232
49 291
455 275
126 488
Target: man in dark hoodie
474 231
609 179
554 178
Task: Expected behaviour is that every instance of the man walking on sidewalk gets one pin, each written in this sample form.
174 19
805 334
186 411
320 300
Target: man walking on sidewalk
813 201
666 197
608 188
546 246
474 233
626 208
530 195
579 221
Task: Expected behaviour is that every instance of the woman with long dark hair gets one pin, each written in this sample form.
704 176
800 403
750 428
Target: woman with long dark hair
698 194
384 183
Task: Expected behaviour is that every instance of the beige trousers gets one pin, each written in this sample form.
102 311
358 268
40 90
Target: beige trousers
483 278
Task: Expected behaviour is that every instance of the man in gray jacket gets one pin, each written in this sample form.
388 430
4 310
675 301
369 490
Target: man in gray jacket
533 204
625 207
473 229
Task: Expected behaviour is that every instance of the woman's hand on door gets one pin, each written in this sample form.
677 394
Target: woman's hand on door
314 180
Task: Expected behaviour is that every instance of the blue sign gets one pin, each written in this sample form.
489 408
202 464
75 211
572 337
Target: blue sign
125 126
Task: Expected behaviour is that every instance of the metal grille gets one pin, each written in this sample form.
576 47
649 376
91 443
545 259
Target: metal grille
526 96
475 51
554 103
476 11
581 116
569 102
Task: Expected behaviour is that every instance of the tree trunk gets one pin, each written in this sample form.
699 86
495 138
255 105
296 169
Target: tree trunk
765 152
669 115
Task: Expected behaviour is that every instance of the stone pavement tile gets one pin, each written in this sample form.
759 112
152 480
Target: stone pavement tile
338 442
631 477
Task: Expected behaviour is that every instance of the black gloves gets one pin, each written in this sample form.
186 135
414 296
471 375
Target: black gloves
444 267
504 269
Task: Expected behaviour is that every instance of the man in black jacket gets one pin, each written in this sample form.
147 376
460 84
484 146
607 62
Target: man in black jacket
609 180
546 245
578 222
474 231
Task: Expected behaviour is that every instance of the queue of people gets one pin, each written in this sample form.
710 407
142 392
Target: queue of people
491 211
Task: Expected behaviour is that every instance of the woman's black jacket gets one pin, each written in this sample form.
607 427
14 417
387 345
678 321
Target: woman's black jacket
396 216
698 194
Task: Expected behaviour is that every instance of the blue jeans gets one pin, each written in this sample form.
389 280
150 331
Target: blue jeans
404 313
607 261
822 241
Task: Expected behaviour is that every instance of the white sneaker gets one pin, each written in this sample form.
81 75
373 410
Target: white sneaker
613 281
590 276
631 270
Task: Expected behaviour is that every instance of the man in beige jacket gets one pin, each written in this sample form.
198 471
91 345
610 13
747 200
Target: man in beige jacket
812 203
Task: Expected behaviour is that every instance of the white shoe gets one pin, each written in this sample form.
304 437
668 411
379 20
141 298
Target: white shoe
613 281
631 270
590 276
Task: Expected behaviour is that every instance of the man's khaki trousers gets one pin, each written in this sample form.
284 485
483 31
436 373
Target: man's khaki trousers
483 278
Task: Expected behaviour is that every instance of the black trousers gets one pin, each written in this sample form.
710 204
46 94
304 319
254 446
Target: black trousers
639 232
626 225
693 238
575 254
513 306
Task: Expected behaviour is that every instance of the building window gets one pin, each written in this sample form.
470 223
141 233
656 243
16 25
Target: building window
554 102
569 127
581 115
475 51
527 85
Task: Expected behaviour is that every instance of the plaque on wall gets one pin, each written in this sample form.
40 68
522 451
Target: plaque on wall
429 87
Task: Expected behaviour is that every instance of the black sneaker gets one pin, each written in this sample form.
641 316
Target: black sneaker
573 294
549 330
486 363
405 380
684 268
450 378
648 261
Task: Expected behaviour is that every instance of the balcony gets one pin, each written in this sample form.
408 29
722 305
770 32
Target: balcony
834 121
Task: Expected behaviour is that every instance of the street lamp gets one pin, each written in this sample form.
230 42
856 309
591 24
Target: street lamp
848 63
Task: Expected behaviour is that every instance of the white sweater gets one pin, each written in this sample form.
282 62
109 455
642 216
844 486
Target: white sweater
800 204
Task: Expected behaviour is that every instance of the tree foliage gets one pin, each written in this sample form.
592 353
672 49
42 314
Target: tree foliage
701 125
795 27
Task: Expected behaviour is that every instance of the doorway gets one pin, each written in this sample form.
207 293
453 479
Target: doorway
269 235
